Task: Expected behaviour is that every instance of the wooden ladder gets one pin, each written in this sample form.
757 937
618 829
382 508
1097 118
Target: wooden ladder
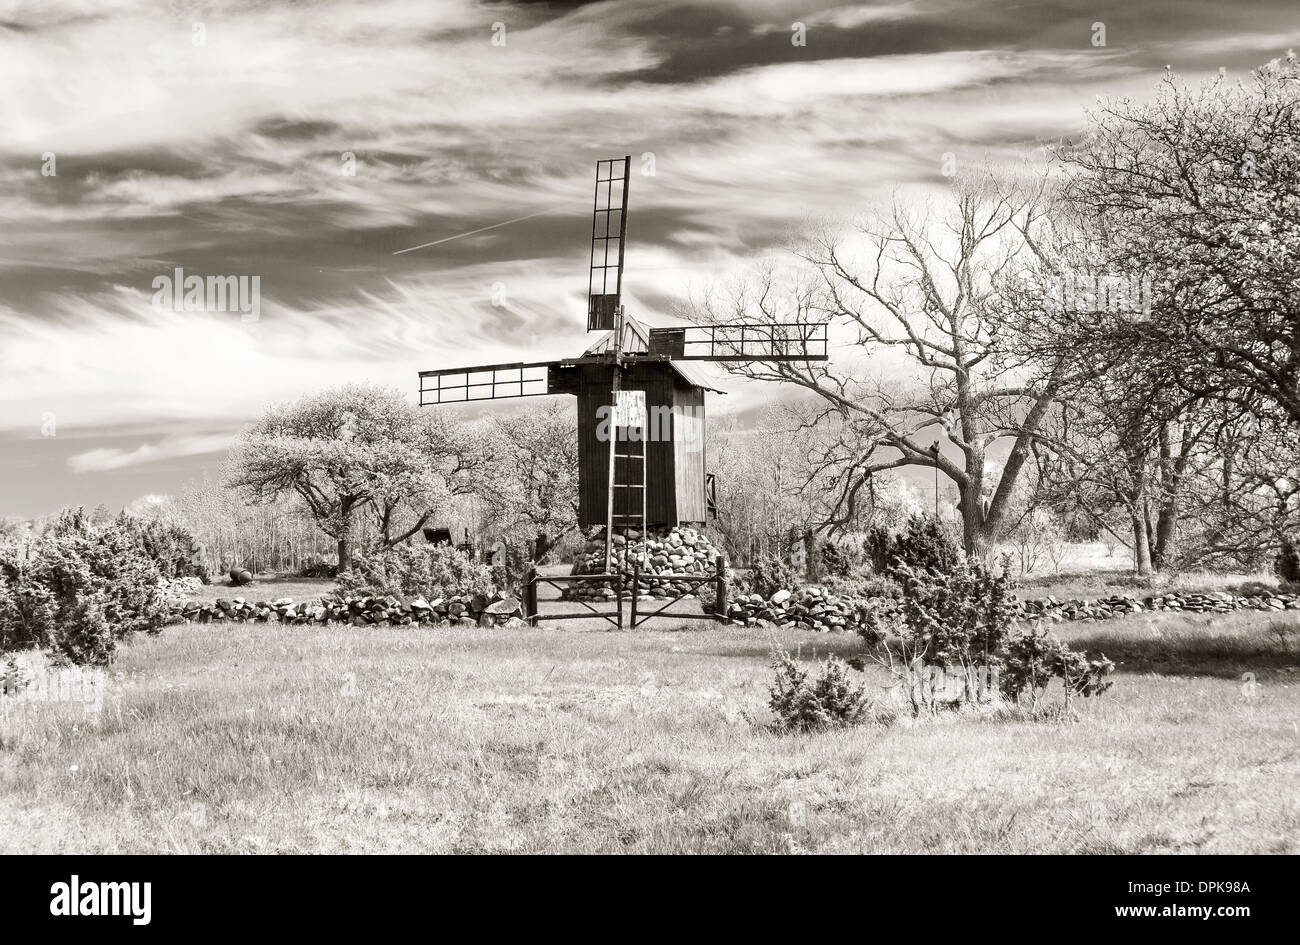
627 475
630 476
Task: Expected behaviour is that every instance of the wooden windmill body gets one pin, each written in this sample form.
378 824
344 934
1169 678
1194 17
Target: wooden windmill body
640 401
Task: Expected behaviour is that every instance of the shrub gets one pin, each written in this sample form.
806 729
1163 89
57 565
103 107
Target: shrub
959 617
1027 666
879 619
122 575
317 566
835 699
878 546
430 571
880 587
1084 676
1287 564
79 588
14 676
1033 659
170 546
768 575
27 606
952 623
841 558
510 570
960 625
926 545
862 584
83 633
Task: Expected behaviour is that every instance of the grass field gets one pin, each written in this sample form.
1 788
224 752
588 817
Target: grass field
239 738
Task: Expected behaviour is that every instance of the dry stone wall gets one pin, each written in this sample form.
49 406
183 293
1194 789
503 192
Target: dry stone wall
816 609
476 610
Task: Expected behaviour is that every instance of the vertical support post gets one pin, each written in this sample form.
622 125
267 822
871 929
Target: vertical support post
530 597
720 605
636 590
618 596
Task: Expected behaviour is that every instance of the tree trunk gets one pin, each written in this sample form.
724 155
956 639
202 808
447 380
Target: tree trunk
973 535
345 555
1166 522
1141 542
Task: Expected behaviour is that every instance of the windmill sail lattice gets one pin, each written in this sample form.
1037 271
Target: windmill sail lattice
608 230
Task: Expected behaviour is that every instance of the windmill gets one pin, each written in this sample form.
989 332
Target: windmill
640 400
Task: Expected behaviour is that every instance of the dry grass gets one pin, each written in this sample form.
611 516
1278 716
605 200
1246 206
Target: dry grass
1093 584
285 739
267 587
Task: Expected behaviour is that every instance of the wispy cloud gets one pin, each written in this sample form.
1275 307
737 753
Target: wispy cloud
101 460
231 157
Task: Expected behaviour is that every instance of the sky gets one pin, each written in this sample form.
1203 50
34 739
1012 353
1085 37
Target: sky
306 143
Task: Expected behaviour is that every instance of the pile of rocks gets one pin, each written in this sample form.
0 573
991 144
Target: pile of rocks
177 590
477 610
661 556
809 608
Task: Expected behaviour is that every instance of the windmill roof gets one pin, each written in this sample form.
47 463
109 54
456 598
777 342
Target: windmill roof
636 340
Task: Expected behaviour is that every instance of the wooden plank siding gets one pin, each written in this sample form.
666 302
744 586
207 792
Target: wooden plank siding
666 486
689 462
594 391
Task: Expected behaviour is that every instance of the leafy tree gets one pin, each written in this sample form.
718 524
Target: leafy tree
351 450
529 482
1198 191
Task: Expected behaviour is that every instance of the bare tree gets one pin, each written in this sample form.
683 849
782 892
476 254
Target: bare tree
925 292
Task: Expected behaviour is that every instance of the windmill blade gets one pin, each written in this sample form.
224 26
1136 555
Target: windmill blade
608 228
494 382
761 341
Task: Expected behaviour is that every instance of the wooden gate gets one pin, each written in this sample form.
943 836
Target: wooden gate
629 588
